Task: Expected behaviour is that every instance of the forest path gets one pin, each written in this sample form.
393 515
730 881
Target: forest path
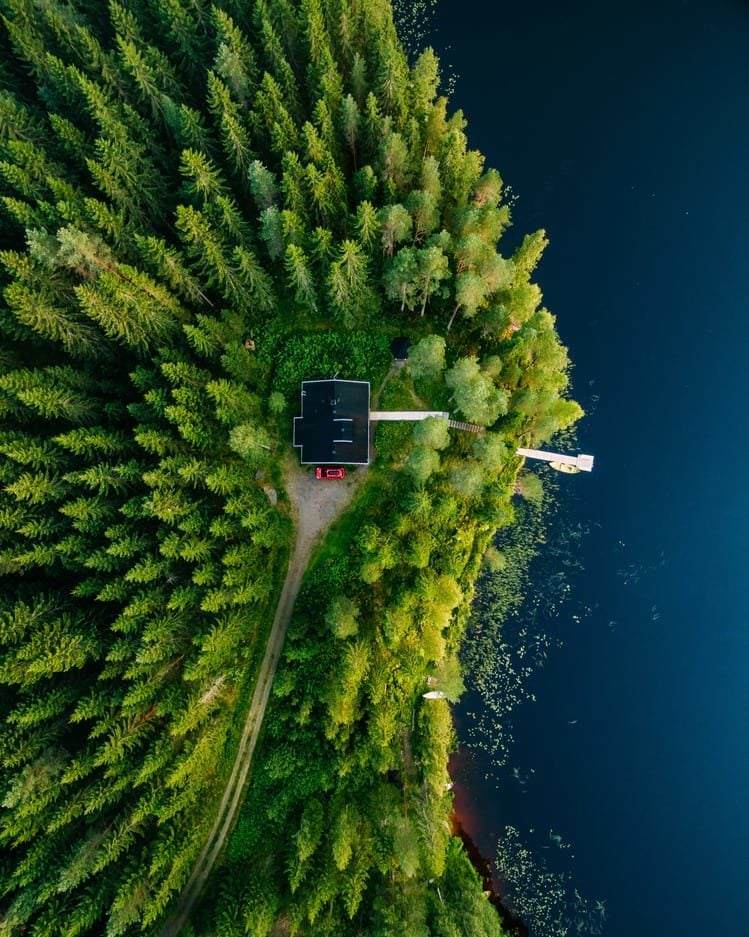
315 504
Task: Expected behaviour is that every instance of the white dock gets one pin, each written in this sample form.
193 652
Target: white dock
582 462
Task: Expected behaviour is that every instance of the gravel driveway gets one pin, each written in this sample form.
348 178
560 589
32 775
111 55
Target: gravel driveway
315 504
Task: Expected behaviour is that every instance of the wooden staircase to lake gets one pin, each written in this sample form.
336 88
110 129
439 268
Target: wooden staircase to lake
468 427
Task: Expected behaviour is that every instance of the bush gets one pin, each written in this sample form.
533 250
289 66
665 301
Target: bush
355 355
392 440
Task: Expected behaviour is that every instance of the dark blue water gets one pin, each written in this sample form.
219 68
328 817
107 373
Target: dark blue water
623 130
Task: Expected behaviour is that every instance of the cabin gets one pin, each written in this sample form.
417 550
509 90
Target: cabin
334 422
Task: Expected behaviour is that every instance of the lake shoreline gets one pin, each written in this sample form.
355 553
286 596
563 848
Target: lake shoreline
461 823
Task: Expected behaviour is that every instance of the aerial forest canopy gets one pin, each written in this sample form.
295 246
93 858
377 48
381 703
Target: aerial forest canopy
204 203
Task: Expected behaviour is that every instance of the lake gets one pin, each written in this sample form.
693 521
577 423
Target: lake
622 130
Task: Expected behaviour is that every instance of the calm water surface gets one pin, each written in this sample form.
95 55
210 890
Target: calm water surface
623 131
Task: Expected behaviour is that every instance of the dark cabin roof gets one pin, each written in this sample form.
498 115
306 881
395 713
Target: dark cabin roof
334 425
399 348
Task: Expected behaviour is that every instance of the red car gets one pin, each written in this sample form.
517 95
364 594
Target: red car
324 471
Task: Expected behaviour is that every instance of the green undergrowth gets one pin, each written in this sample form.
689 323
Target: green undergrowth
357 355
392 438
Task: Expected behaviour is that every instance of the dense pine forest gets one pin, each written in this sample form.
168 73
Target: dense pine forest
203 204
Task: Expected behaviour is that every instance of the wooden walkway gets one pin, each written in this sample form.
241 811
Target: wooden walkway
412 415
469 427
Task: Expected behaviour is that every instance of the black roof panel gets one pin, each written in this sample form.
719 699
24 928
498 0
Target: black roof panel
334 425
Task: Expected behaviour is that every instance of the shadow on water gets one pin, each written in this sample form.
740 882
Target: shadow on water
461 821
514 631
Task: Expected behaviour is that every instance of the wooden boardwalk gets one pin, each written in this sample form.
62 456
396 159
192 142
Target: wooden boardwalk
469 427
412 415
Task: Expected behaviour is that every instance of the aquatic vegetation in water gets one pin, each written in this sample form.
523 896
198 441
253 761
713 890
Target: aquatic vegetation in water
632 573
414 20
518 603
507 640
546 900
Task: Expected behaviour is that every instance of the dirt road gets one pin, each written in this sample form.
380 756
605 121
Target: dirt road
315 504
